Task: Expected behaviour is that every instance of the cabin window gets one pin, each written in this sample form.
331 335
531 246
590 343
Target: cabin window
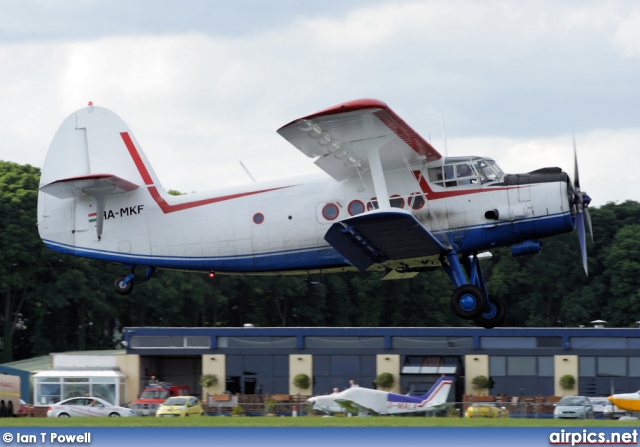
416 200
396 201
372 204
330 211
355 207
258 218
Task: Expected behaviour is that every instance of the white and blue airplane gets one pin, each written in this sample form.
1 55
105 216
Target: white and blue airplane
357 400
393 204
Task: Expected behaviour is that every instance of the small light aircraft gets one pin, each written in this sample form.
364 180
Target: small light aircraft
626 401
361 400
394 204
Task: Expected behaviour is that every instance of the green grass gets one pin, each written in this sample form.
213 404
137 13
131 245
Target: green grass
305 421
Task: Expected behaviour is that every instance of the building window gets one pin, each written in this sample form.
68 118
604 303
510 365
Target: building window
418 364
508 342
587 366
344 342
49 390
497 365
612 366
598 343
161 342
432 342
257 342
521 366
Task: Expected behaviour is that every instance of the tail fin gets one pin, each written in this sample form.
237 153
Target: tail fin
438 393
92 141
94 154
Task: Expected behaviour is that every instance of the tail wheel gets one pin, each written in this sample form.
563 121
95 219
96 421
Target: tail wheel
121 287
494 316
467 302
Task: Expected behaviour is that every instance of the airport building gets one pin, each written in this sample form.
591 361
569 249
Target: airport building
520 361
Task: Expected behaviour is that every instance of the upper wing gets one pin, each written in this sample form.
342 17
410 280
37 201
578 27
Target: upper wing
342 135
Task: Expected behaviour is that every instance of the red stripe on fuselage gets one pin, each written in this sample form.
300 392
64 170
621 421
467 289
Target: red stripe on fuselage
155 194
434 195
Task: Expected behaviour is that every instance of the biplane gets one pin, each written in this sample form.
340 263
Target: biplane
392 203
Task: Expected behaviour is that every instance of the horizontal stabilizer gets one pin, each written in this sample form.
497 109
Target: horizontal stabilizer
96 185
87 185
381 236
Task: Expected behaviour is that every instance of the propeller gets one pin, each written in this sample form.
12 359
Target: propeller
583 219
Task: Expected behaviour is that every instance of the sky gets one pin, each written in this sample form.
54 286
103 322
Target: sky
204 85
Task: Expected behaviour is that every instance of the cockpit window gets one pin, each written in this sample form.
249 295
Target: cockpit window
460 171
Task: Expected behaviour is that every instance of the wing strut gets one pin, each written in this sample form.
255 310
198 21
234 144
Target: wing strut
377 175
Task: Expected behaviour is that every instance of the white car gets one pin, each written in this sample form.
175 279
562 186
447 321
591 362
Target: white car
87 407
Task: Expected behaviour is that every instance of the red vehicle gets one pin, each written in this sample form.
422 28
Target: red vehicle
154 394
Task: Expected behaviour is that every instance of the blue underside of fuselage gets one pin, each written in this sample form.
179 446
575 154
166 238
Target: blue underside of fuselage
470 239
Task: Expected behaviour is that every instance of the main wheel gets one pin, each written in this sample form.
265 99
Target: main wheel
467 302
63 415
122 288
494 316
114 415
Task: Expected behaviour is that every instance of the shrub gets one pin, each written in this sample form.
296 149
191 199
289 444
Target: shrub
481 383
208 380
567 382
384 380
302 381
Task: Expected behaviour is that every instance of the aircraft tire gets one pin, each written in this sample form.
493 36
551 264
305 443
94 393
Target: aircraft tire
120 287
495 317
467 302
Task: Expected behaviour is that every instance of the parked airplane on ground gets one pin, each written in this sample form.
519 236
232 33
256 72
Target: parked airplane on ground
360 400
394 205
626 401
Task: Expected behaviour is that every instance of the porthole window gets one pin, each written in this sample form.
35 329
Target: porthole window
372 204
330 211
396 201
258 218
416 200
355 207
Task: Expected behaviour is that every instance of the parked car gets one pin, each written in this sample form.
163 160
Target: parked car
573 407
87 407
180 406
486 410
25 410
603 407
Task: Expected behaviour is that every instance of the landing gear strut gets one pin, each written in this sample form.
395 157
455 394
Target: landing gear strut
470 300
123 285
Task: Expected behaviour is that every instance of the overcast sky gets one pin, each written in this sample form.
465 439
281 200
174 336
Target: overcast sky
206 84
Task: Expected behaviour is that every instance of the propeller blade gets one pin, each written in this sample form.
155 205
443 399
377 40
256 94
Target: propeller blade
587 223
576 175
583 240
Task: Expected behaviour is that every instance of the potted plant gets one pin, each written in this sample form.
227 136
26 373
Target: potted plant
481 382
567 382
209 380
384 380
302 381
